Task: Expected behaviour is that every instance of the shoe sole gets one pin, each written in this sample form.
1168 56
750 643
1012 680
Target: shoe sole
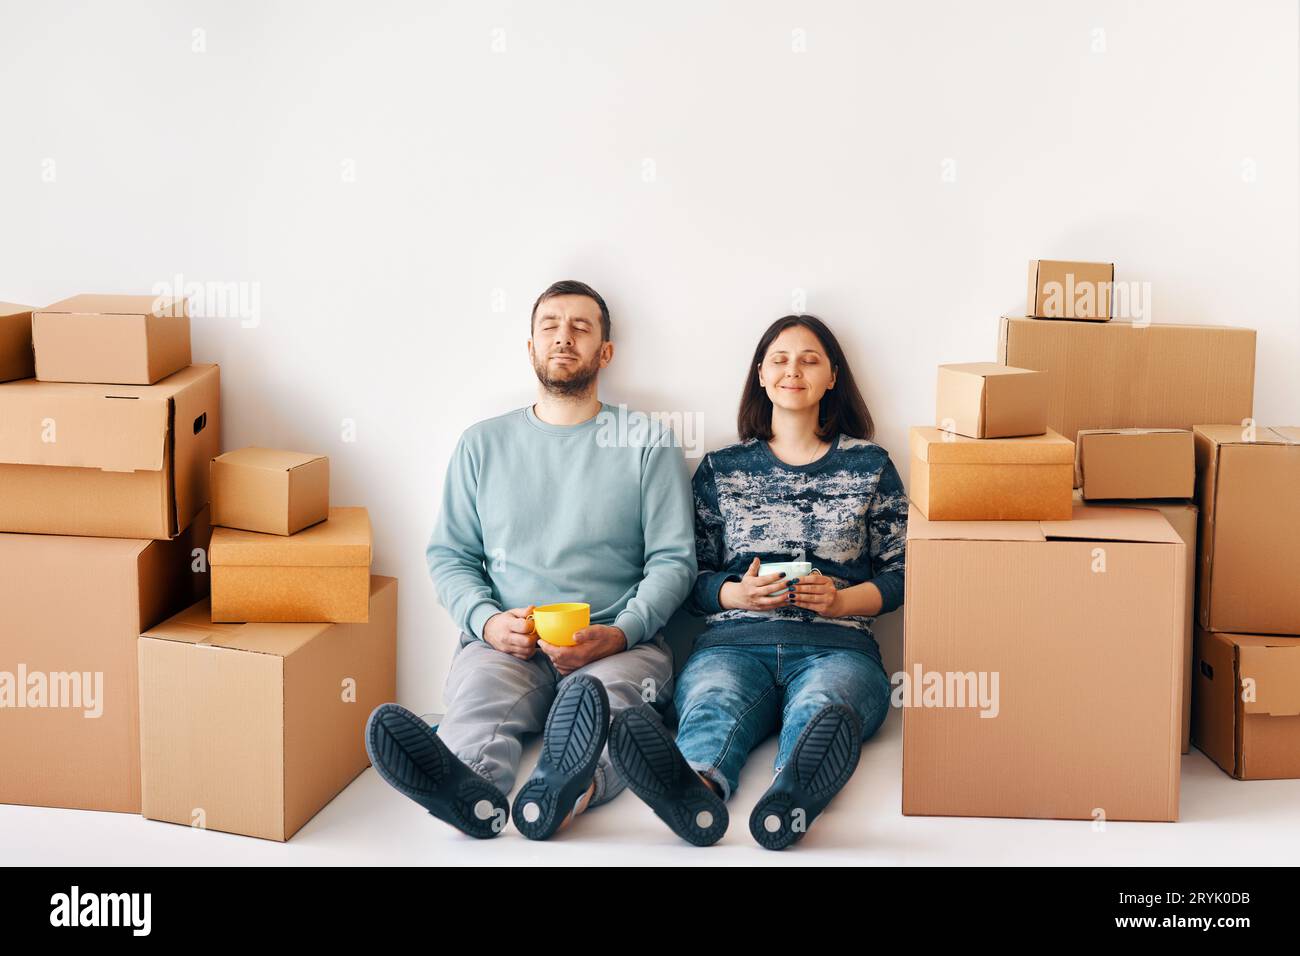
821 763
648 760
572 741
416 763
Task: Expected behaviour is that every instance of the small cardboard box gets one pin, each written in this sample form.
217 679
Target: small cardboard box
253 728
955 478
1247 704
276 492
16 359
1182 517
987 400
117 461
111 339
1044 667
1248 487
1121 375
1070 290
71 612
1135 463
320 574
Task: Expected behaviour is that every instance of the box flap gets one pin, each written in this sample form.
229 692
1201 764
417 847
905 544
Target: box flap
194 626
941 447
985 369
342 540
1274 665
1127 431
1096 523
269 458
95 304
13 308
1264 435
921 528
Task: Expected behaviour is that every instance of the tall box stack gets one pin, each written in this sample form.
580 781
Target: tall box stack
104 528
1246 673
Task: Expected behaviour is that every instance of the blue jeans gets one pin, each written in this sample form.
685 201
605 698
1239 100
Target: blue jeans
729 698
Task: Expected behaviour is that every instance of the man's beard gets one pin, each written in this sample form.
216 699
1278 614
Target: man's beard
576 383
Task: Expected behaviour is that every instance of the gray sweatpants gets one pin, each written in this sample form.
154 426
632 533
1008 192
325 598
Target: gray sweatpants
494 700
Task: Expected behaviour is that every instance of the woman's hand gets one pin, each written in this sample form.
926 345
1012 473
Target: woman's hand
817 592
754 593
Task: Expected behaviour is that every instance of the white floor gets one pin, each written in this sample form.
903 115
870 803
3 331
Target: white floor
1224 821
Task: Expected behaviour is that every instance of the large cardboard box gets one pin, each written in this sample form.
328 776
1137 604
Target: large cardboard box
275 492
118 461
955 478
987 400
1248 485
1068 636
1247 703
1070 290
320 574
15 342
1182 517
111 339
1135 463
253 728
1120 375
71 612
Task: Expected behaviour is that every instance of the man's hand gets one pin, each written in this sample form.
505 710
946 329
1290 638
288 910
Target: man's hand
590 644
511 632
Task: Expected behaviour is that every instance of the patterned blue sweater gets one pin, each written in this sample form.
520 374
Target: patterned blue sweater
846 513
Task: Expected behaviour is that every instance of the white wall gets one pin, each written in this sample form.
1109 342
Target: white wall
482 174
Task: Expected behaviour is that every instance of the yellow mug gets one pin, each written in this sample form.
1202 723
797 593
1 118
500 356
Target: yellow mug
557 623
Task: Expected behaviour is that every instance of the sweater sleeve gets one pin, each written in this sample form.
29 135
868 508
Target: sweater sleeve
669 554
710 543
887 523
455 554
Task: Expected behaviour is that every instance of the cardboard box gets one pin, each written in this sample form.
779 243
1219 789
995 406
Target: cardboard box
1182 517
276 492
987 400
1247 704
71 612
955 478
1135 463
111 339
321 574
1080 623
1249 492
1070 290
117 461
253 728
16 342
1120 375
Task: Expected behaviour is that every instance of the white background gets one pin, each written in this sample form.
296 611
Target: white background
496 147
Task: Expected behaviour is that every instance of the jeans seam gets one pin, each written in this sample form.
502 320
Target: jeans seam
726 747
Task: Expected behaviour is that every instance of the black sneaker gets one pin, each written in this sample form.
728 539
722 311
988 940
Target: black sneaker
823 759
647 758
409 755
572 741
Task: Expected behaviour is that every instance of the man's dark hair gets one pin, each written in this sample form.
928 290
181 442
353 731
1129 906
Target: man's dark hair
574 287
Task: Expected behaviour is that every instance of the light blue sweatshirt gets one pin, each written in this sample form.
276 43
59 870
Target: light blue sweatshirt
598 512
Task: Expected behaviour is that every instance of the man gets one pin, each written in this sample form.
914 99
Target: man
540 506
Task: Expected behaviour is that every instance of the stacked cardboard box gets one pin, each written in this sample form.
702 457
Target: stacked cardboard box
1246 691
1068 613
108 437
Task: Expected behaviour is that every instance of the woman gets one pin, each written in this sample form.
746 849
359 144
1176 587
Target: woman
806 483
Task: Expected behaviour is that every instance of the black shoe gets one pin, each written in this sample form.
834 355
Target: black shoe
575 733
407 753
823 759
647 758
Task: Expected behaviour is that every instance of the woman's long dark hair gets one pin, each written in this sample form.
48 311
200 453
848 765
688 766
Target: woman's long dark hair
842 408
